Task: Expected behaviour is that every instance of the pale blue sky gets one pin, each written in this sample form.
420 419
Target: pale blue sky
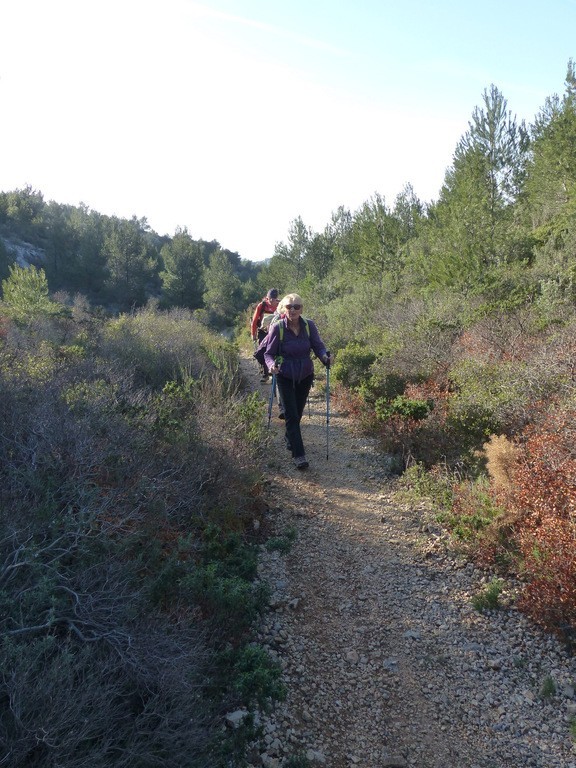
233 117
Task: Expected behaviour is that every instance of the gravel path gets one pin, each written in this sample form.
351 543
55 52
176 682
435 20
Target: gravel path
385 660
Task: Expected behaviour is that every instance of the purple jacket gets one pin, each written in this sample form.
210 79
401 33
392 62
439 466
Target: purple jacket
294 350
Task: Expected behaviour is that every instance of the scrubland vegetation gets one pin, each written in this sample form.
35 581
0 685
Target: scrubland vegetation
454 328
127 565
129 471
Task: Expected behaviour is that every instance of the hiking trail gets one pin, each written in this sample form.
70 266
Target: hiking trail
386 662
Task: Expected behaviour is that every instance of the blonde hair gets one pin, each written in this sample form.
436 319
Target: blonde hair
291 298
280 308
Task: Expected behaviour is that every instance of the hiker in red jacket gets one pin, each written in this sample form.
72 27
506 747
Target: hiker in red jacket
259 326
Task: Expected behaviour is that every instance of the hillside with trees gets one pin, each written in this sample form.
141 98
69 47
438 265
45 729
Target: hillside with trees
454 329
121 263
130 452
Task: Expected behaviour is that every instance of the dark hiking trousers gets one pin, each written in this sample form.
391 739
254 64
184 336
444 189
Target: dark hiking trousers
293 395
261 333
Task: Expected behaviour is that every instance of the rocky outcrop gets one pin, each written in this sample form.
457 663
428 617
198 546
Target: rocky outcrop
24 254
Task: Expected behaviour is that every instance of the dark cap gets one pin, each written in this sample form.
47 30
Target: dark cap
272 293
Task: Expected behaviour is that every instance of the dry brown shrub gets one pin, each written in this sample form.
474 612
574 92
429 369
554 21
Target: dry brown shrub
500 336
104 486
501 457
545 492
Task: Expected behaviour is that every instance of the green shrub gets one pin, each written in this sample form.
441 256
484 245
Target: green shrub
547 688
352 364
229 553
403 406
298 761
174 412
489 597
248 418
417 482
164 579
257 677
229 603
490 398
283 543
472 511
25 295
167 346
380 385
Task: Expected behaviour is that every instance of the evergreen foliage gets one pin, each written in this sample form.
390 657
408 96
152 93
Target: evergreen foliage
452 324
25 295
183 273
223 296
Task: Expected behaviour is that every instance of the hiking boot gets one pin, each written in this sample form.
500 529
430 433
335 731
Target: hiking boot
281 415
301 462
265 379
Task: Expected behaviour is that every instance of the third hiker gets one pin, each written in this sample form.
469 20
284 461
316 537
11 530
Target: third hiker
263 313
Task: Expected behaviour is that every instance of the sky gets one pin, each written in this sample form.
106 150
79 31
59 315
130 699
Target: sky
232 118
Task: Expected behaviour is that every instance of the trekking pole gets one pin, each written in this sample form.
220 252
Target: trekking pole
271 398
327 400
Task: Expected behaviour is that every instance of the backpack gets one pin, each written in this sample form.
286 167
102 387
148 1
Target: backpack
262 313
266 320
259 353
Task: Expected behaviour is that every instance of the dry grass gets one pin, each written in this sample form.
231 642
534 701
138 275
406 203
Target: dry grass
501 457
111 460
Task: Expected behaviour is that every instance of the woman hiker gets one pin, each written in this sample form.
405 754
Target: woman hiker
287 354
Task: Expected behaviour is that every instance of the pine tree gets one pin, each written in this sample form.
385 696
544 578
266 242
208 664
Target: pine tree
182 276
130 262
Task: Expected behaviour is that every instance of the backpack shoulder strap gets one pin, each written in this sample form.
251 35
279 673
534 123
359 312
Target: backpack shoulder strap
279 357
281 329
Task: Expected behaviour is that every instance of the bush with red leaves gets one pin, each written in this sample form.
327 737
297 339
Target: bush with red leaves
545 493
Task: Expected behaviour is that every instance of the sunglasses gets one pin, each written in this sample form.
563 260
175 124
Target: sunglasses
293 306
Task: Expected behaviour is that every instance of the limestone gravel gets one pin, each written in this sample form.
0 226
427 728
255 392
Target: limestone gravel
385 660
